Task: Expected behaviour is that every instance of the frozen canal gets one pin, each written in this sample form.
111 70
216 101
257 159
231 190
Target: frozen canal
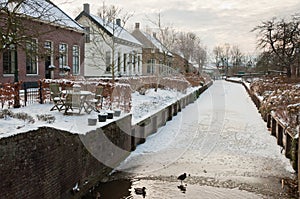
223 145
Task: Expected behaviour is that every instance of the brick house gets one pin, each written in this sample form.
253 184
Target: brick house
181 64
156 57
54 45
110 50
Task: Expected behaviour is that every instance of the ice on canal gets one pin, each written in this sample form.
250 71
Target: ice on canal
223 145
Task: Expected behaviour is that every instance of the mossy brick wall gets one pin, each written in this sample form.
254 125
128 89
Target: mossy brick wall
47 163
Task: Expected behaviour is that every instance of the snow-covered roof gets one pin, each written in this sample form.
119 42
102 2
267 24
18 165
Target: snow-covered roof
43 10
157 44
116 30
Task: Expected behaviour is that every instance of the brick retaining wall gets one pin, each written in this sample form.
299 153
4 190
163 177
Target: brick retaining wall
47 163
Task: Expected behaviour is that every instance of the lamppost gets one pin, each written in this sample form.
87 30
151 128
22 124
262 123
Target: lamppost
16 78
16 72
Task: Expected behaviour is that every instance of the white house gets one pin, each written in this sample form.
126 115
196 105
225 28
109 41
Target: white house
109 48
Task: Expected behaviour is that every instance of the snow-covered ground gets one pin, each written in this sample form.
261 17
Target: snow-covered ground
142 107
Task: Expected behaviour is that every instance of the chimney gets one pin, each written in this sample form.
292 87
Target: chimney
154 35
137 25
86 8
118 22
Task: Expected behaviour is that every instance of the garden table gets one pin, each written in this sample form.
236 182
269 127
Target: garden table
77 100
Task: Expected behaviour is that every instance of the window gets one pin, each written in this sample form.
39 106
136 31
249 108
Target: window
124 62
48 45
62 61
108 61
150 66
31 57
75 60
87 35
139 63
48 48
134 63
130 63
9 60
119 62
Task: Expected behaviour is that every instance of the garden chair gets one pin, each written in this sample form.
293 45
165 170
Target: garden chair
73 101
96 103
58 100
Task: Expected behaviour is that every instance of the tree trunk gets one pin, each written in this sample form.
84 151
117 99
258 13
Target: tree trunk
289 72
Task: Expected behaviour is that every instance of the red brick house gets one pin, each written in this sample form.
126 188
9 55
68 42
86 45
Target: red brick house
156 57
181 64
53 44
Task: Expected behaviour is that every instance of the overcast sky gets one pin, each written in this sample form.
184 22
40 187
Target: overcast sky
215 21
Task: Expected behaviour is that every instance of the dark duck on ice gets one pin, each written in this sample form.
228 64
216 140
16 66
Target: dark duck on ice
140 191
182 177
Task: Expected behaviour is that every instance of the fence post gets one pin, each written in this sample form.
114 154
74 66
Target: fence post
298 167
25 94
41 92
17 95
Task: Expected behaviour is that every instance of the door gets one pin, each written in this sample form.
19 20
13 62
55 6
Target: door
47 64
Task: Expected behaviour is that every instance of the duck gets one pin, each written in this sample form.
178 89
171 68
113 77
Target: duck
75 189
182 188
182 177
140 191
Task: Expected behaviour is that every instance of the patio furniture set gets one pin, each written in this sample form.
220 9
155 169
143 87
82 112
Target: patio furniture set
74 98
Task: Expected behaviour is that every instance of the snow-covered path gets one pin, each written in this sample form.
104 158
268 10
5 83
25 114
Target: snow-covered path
221 141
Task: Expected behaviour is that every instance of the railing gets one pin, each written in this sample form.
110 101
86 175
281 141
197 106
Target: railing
31 93
20 94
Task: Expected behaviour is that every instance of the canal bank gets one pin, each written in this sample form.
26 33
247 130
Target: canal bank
52 163
287 140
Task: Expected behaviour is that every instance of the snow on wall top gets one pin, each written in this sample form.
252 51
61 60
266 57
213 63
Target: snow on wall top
43 10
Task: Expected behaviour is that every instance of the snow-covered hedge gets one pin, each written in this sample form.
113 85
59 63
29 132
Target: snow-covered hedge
281 96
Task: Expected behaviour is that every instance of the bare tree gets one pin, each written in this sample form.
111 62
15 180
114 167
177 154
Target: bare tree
218 51
222 56
282 38
18 20
186 43
236 56
166 35
200 56
106 39
21 23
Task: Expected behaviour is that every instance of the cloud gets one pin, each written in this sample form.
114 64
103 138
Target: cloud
216 21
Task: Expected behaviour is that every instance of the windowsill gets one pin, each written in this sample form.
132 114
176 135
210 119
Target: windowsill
8 75
31 75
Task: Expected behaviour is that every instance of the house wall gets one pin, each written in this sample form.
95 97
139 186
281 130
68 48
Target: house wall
160 60
54 34
180 64
96 49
